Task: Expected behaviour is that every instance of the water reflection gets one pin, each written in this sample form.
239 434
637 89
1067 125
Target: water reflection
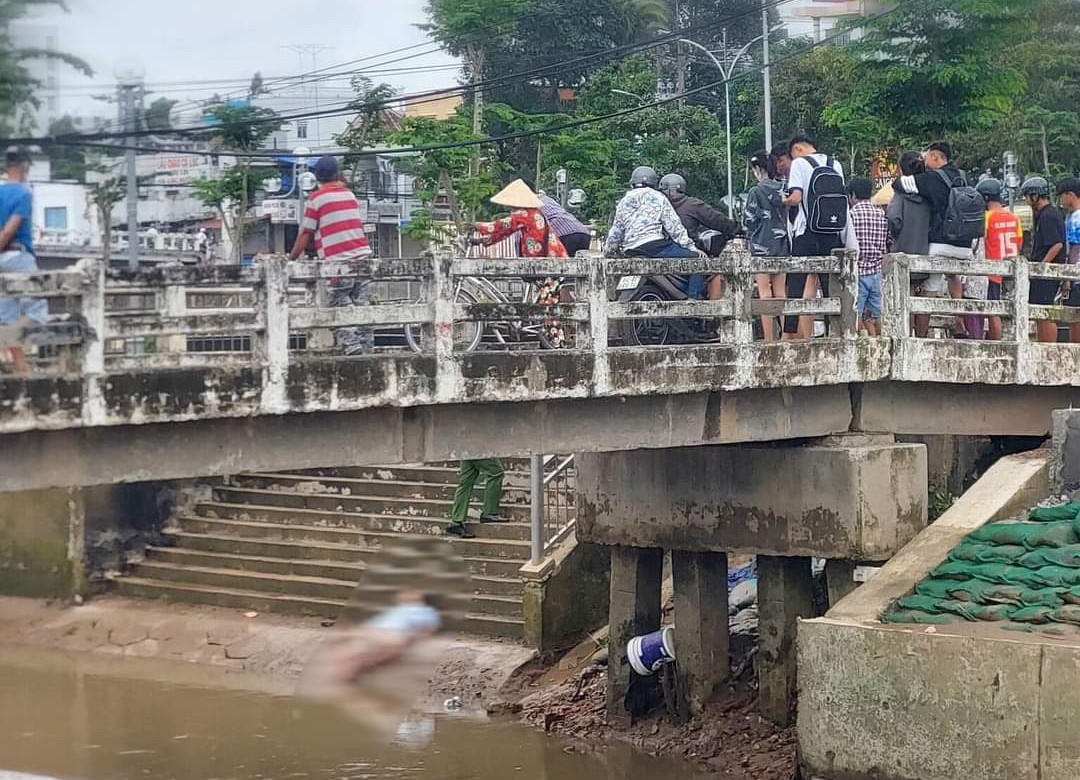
73 721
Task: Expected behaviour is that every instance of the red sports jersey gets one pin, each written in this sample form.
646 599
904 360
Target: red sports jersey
1004 237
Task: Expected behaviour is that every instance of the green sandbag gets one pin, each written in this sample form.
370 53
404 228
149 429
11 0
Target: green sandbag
1033 615
1021 627
1067 614
977 552
919 603
1058 577
994 612
982 592
1060 630
1055 514
964 609
1052 556
1030 535
1072 595
914 616
1000 573
937 589
1043 597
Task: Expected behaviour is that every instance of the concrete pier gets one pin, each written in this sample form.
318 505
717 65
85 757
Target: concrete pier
636 575
785 594
701 623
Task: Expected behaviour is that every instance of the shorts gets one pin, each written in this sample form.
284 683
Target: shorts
808 245
869 302
1044 291
993 292
576 242
14 309
933 286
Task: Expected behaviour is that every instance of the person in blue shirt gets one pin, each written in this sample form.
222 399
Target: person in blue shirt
17 251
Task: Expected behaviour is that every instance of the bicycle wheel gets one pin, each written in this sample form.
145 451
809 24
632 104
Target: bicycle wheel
467 335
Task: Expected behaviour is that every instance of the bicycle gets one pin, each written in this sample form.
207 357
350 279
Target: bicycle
468 335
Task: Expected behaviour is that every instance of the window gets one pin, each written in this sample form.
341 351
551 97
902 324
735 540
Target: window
56 218
301 130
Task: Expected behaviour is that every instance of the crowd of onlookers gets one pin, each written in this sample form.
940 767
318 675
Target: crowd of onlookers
804 206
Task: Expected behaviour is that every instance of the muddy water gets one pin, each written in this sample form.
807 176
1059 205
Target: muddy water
66 718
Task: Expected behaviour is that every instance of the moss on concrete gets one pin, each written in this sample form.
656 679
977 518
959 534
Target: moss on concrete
35 530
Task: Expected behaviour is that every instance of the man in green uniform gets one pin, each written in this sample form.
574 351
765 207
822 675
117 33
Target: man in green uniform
492 469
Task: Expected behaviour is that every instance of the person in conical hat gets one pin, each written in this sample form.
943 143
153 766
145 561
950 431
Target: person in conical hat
526 218
537 239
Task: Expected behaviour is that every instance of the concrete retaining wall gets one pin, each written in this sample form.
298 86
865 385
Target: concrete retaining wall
893 703
566 596
40 543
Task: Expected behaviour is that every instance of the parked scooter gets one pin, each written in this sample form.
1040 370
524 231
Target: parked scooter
668 287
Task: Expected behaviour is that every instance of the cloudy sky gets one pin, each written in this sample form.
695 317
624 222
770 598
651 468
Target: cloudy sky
194 48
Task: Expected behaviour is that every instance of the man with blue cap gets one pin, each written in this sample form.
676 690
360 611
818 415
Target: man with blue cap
333 223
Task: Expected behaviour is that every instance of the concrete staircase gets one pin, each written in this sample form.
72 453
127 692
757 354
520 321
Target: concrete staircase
300 544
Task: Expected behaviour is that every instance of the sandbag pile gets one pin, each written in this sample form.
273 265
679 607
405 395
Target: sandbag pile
1024 574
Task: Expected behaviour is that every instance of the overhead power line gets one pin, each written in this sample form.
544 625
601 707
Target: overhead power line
557 128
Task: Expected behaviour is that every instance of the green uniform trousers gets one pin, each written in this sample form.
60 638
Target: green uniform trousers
471 470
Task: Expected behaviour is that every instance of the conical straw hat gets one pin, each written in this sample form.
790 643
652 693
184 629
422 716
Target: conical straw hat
517 195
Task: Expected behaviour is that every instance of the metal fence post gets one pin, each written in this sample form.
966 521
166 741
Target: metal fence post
271 344
536 481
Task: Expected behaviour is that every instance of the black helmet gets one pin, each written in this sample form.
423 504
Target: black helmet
644 176
673 183
1036 185
990 189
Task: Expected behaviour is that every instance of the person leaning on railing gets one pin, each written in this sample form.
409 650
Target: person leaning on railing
1047 246
17 253
538 239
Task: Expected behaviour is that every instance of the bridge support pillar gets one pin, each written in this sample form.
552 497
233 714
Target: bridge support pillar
839 579
701 623
785 594
636 575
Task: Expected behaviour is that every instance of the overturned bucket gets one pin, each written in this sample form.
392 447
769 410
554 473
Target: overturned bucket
650 652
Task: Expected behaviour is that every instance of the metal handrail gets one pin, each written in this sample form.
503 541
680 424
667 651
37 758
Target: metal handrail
542 482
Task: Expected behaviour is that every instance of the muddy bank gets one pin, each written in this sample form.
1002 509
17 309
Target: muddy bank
224 647
730 739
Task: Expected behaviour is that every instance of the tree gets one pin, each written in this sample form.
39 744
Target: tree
932 68
157 115
17 86
373 120
106 186
240 129
66 162
443 177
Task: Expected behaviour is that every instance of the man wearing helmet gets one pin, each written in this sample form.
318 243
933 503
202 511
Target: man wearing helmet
1003 241
1047 246
709 229
645 223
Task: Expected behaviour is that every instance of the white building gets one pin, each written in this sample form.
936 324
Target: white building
31 33
818 18
316 132
62 215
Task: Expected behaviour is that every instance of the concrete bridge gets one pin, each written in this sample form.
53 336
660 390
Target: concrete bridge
96 414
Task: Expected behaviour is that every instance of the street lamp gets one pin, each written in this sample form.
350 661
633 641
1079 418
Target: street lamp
303 181
726 72
641 101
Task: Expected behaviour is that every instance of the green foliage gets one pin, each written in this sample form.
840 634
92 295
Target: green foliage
157 115
240 128
445 175
17 86
371 123
473 29
67 163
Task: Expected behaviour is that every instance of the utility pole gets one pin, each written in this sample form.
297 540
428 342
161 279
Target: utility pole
129 96
768 75
680 55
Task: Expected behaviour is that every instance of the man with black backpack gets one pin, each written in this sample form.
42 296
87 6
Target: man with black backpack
957 220
817 202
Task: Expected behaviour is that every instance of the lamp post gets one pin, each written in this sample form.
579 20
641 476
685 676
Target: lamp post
129 76
726 71
641 101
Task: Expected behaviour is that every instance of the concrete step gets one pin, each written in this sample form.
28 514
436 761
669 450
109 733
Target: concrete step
272 548
512 586
517 473
397 488
379 596
388 505
140 587
399 524
235 579
275 548
261 564
232 598
249 529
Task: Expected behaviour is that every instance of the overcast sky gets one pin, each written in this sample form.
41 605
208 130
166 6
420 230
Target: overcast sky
228 40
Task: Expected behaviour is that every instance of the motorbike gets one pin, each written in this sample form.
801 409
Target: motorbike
668 287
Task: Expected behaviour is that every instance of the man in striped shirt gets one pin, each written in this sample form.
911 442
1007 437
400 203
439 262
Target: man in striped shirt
332 221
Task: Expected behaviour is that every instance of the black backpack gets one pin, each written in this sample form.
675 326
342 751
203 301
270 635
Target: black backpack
825 199
965 216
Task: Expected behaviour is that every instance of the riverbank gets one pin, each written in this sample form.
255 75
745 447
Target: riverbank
220 648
